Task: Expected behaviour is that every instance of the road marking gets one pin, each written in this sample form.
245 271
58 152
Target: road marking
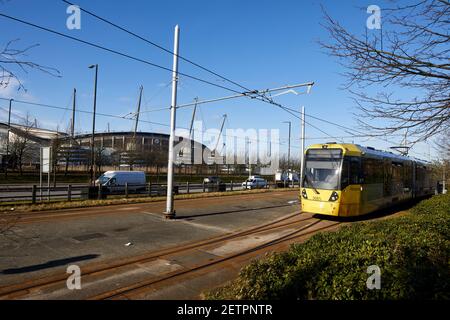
198 225
126 209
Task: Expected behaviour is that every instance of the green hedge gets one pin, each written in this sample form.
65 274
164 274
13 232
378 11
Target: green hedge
412 251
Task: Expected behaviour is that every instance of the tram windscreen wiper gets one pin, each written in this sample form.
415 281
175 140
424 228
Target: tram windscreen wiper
311 184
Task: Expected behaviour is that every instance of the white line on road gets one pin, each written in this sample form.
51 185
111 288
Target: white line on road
198 225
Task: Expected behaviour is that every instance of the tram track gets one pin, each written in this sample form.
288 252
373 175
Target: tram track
292 227
26 288
134 290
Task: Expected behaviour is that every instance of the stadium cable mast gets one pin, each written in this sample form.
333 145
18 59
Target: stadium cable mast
220 133
141 88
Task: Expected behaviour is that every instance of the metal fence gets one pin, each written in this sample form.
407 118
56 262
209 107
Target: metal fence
35 194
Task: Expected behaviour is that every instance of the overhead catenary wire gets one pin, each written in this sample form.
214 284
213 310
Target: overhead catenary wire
117 117
165 125
260 94
249 93
159 123
16 115
343 127
156 45
78 110
125 55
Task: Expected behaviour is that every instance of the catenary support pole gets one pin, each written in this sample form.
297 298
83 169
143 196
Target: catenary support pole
170 212
72 127
93 125
289 147
302 147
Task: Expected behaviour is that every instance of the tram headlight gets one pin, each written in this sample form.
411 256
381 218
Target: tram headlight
334 196
304 195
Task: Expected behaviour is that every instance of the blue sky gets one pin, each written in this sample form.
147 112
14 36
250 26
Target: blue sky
260 44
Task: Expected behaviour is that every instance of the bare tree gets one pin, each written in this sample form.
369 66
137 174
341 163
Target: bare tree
12 59
441 168
101 158
148 159
21 144
412 53
443 145
160 161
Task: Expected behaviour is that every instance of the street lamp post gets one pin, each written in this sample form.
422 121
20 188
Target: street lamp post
302 146
92 170
7 139
289 145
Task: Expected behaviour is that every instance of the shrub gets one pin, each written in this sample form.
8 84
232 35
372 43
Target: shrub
412 251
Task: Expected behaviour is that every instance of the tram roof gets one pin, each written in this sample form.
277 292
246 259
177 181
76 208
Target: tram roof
358 150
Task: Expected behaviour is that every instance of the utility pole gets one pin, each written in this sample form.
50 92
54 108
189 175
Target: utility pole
289 145
302 147
72 127
170 212
138 111
7 138
93 125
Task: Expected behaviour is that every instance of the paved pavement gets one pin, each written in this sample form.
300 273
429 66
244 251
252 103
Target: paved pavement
94 234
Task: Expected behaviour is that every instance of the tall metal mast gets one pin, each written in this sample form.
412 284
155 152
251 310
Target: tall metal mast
138 111
170 212
220 133
72 126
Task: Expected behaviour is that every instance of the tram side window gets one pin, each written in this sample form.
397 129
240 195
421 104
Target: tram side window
397 171
407 175
420 177
351 171
372 170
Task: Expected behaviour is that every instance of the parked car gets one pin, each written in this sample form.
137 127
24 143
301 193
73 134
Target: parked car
285 178
213 183
212 179
114 181
254 183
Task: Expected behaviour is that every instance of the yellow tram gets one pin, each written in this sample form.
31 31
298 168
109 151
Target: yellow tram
351 180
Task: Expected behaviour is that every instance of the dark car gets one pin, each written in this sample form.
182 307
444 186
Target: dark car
213 183
212 179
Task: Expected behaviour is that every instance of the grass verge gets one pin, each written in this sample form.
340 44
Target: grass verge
412 252
59 205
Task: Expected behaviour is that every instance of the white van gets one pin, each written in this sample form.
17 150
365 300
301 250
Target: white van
254 183
115 181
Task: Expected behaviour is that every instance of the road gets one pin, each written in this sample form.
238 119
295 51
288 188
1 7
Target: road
23 192
37 244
